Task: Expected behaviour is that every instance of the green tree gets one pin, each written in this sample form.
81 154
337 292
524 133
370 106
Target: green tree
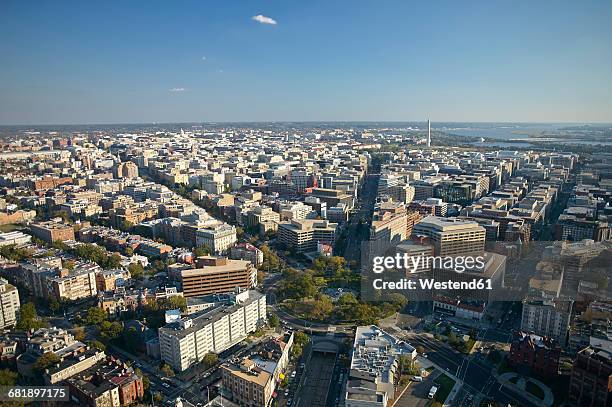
136 270
167 370
79 333
44 361
97 344
54 305
8 377
296 350
131 339
28 319
300 338
174 302
210 359
146 383
95 316
15 253
273 321
203 250
110 330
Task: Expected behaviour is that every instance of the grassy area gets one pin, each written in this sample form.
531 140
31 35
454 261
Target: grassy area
445 385
8 228
503 367
534 390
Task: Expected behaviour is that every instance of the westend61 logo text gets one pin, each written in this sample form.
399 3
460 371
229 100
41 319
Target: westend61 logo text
414 264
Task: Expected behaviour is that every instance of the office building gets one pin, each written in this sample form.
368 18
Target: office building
217 276
219 238
302 235
452 237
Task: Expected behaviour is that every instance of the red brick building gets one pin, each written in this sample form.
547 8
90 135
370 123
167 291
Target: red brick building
533 354
591 381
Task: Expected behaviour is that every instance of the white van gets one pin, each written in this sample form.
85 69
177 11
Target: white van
432 392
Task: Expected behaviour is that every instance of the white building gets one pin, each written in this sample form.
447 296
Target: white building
15 237
9 304
219 238
547 318
186 342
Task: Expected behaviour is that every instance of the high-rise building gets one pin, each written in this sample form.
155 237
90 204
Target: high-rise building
547 318
451 236
9 304
186 342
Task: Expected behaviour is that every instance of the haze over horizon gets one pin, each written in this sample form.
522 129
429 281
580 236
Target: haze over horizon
146 62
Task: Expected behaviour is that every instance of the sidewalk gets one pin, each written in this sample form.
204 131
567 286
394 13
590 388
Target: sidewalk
425 363
521 386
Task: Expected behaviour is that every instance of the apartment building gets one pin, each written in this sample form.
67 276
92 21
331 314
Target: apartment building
125 170
52 231
151 248
72 285
186 342
304 234
74 356
261 214
252 381
218 275
591 380
108 383
9 304
547 318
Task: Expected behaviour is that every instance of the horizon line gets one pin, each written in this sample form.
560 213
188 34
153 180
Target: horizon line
303 121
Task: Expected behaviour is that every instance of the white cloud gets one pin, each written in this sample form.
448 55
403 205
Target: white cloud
177 90
264 20
204 58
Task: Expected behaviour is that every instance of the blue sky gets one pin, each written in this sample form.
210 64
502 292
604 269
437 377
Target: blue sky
144 61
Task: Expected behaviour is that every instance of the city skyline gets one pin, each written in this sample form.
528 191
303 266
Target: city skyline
317 62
